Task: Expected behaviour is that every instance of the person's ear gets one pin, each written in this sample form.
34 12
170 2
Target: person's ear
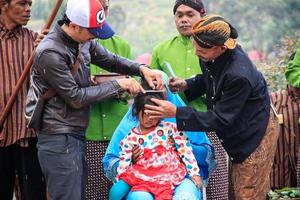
107 12
3 6
223 48
216 48
219 49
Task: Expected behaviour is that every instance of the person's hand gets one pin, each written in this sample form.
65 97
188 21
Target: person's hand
93 80
130 85
197 181
136 153
171 141
177 84
153 78
40 37
164 109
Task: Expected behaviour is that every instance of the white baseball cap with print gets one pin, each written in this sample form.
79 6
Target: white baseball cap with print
89 14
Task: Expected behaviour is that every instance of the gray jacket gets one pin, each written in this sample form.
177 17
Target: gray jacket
68 111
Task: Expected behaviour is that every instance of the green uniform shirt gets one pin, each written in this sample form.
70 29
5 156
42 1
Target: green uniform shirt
180 54
292 72
106 116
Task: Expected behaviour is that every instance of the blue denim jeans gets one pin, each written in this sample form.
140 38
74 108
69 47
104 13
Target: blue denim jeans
62 160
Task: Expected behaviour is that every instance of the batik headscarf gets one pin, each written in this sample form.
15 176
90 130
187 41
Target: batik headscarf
214 30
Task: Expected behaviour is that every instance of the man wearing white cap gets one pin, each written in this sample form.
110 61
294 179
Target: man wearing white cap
61 140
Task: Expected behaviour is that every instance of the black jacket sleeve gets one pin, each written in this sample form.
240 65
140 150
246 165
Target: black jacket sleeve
227 109
196 87
57 73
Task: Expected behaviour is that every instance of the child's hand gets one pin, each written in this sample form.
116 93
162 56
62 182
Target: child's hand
136 153
197 180
171 141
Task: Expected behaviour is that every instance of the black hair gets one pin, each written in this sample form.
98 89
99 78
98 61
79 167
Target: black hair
141 99
65 20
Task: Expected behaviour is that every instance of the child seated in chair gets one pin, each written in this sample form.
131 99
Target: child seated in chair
161 167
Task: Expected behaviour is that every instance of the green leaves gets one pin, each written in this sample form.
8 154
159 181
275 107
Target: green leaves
285 193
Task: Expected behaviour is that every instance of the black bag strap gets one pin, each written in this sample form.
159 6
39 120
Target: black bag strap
51 92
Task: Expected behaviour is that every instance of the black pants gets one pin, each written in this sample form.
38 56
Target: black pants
23 163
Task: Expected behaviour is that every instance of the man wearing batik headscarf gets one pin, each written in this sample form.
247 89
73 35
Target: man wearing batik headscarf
238 106
179 52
